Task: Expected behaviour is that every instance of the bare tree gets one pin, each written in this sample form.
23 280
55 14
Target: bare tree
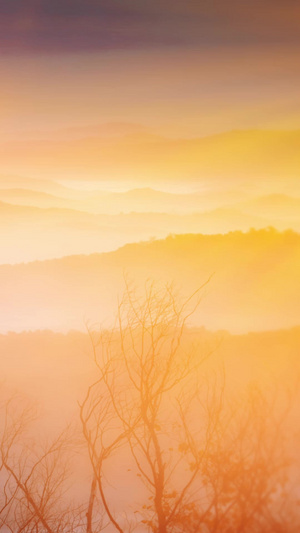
244 464
206 464
35 478
171 449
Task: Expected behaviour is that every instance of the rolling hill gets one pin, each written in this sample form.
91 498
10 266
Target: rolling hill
140 200
29 232
255 283
278 206
230 157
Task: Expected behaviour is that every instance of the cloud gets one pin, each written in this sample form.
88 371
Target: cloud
79 25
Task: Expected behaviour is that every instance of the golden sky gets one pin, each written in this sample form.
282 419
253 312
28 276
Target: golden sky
179 68
172 92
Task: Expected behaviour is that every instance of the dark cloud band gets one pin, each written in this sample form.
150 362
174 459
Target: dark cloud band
74 25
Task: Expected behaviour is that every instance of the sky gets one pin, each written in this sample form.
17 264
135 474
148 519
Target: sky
147 145
93 25
181 69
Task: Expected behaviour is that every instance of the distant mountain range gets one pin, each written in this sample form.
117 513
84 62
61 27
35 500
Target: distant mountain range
38 224
46 193
278 206
29 232
143 157
255 283
10 181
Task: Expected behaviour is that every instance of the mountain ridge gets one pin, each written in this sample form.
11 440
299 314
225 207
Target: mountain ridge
62 294
233 156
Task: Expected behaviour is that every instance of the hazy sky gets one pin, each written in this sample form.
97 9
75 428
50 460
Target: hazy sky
183 68
76 25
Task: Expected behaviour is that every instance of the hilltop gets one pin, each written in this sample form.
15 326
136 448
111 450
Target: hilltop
255 278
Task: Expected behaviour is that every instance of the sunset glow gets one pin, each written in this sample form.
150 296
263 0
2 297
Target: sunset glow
149 266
